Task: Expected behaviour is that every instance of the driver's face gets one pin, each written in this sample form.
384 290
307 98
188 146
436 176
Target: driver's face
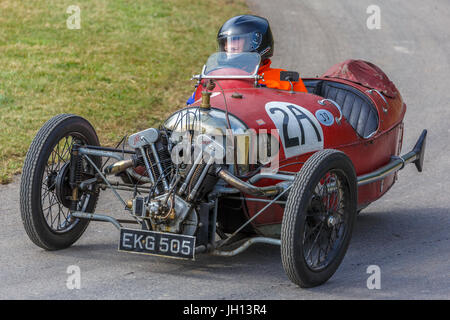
234 45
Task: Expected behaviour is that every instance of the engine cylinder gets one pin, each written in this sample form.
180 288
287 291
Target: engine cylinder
162 150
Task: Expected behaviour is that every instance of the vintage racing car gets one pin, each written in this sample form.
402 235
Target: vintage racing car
243 164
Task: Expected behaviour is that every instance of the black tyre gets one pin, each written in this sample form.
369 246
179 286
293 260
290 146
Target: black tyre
44 188
319 217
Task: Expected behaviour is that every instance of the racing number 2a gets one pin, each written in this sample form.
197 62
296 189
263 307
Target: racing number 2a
292 142
300 131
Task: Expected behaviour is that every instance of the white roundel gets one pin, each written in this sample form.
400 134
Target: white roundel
299 130
325 117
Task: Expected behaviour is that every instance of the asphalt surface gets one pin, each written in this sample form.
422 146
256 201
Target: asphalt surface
406 233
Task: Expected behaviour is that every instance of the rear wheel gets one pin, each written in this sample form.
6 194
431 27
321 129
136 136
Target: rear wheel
319 218
45 191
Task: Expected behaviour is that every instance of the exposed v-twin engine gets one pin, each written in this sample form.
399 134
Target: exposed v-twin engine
177 188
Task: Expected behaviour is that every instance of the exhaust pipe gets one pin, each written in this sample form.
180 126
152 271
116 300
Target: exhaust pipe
416 156
119 166
246 187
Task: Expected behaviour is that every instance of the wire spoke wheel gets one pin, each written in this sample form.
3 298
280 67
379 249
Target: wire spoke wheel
45 190
325 223
319 218
55 191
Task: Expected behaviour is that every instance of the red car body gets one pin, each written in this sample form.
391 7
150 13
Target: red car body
366 153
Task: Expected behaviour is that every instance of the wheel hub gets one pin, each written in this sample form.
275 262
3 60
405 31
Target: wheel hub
63 190
51 181
332 221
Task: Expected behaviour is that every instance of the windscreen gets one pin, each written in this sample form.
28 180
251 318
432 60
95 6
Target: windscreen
245 61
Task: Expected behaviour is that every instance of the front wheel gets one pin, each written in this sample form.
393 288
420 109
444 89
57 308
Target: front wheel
319 217
45 191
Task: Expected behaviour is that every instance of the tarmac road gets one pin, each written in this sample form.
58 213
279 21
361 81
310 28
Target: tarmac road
406 233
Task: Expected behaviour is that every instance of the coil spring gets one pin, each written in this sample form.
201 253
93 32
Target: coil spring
76 175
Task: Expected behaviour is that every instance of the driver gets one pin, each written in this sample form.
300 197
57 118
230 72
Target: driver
250 33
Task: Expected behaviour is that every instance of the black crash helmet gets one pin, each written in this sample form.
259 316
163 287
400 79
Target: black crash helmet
246 33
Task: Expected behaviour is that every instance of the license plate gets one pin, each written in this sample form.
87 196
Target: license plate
157 243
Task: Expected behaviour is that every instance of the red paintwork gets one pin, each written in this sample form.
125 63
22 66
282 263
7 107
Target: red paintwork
366 154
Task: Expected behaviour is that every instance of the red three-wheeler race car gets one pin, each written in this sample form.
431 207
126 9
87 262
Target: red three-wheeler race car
243 164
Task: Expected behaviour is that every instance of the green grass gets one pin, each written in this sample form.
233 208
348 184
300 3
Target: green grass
126 69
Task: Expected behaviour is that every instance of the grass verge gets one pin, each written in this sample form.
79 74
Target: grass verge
124 70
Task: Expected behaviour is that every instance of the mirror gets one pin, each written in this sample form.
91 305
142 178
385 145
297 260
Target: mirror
292 76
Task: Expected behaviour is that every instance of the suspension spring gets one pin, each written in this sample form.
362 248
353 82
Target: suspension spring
75 176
